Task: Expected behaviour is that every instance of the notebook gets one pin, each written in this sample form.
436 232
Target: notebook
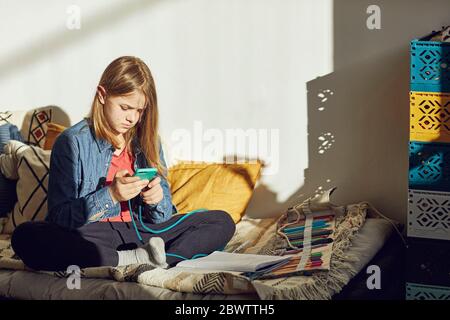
227 261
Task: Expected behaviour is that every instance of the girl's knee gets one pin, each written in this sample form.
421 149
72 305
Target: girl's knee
22 237
226 222
26 243
21 231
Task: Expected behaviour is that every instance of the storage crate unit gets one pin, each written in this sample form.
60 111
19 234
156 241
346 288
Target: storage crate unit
416 291
428 272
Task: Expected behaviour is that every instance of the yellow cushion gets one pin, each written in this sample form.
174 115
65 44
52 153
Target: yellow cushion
53 131
213 186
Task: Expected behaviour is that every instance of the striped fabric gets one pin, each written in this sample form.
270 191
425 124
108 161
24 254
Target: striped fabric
315 257
305 233
8 132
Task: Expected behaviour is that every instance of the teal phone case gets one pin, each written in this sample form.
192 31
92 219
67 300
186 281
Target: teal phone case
146 173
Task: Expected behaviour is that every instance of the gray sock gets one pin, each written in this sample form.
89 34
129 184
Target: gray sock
153 253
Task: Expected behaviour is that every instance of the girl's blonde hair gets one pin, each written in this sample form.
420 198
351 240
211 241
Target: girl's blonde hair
123 76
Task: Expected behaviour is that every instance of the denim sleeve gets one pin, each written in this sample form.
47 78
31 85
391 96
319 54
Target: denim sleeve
65 207
163 210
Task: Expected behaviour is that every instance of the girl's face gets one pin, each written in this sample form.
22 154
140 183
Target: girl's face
122 112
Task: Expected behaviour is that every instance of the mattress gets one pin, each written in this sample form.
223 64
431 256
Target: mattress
16 284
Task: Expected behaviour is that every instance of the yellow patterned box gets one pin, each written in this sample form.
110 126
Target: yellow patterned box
429 116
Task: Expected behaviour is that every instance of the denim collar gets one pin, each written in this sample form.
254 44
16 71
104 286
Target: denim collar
101 143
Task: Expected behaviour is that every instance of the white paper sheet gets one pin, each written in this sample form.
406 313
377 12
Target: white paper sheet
227 261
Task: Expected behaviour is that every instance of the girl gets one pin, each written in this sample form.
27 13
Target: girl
91 188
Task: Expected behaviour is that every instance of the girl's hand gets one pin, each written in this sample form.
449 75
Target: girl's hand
154 193
125 187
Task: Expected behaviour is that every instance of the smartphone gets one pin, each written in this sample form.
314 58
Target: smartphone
146 173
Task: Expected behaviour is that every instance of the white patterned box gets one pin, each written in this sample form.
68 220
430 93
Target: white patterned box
429 214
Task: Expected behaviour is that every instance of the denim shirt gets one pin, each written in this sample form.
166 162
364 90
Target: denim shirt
77 194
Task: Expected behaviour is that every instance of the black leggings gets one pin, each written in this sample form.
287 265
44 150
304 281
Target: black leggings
50 247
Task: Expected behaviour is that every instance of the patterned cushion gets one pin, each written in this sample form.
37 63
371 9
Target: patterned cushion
30 165
32 124
37 127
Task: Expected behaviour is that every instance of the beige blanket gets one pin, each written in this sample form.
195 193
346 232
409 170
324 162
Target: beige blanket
261 233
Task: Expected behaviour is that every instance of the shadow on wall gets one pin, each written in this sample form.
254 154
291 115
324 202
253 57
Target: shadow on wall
51 43
357 138
358 115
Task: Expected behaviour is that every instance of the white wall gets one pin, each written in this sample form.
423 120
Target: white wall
233 64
